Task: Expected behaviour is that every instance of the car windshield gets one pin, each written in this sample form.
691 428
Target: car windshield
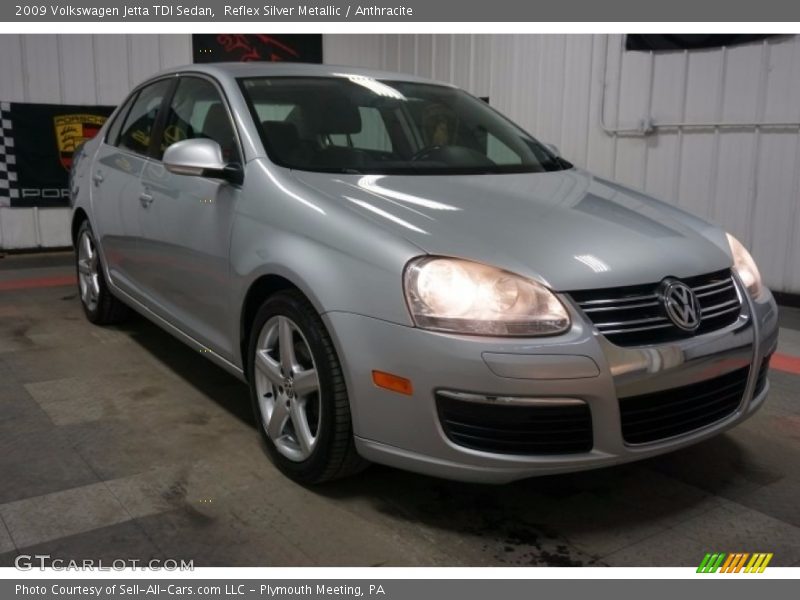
357 124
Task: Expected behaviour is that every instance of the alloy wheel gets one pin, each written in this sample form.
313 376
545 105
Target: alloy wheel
88 276
288 388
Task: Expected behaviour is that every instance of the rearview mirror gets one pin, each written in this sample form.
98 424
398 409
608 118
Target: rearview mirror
200 157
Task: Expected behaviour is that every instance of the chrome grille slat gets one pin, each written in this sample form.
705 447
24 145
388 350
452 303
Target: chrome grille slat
631 322
635 315
726 282
722 312
637 329
729 303
618 300
608 308
716 291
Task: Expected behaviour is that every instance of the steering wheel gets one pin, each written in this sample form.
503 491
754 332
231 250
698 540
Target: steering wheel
425 152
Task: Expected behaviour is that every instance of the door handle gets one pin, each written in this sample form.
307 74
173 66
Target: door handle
97 177
145 199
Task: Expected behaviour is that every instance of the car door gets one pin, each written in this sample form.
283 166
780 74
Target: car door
116 176
186 224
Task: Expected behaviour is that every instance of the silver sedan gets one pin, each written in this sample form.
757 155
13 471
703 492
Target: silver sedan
404 276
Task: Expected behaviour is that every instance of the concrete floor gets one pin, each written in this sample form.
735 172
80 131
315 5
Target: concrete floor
123 443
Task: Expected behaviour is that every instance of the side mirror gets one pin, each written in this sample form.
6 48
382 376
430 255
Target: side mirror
201 157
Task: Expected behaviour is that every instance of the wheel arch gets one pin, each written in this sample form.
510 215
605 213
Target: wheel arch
78 217
260 289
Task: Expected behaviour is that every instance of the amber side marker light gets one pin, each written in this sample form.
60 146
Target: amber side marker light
394 383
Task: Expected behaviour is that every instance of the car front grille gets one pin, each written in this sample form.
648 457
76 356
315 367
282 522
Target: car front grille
635 315
659 415
516 428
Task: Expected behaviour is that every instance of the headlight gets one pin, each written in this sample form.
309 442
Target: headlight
460 296
745 266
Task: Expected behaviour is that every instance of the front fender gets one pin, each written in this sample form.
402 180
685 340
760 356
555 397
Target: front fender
340 261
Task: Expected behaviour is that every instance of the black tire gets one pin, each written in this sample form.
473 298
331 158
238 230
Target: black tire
107 310
334 455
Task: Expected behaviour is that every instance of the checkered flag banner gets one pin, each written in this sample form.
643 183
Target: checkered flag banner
8 159
37 144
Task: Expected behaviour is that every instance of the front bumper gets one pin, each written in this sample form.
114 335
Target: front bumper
405 431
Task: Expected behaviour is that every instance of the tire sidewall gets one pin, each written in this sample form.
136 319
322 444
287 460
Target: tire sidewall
313 468
92 315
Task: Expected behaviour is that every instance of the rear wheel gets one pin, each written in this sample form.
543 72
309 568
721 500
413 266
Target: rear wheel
298 392
100 306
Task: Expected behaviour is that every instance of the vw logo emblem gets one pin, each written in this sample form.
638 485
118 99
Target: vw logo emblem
681 305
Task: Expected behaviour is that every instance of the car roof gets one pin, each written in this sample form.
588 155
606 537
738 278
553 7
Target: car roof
225 70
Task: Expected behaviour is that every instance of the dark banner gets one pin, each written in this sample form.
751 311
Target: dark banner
226 47
36 148
688 41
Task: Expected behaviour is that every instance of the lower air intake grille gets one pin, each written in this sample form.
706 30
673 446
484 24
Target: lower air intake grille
516 428
635 315
660 415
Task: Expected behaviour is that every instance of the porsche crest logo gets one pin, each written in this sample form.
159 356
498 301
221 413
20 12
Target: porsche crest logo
72 131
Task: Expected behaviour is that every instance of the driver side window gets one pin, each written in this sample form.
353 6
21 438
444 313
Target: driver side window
197 111
141 118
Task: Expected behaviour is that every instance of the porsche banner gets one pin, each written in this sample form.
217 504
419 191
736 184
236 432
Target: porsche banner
36 147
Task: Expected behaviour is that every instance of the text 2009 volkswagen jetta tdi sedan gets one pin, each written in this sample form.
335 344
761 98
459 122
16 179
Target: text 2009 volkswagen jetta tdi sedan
404 276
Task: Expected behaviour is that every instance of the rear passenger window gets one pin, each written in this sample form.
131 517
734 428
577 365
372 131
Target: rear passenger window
113 130
197 111
140 120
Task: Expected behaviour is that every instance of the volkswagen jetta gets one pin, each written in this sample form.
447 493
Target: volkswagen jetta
403 275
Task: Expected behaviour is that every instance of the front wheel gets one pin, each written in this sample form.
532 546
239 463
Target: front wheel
298 392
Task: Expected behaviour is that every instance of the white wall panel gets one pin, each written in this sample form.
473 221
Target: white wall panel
18 228
573 138
424 54
76 69
406 54
481 65
112 69
441 52
77 64
634 106
176 50
51 227
144 57
601 147
390 50
365 50
461 60
12 82
746 179
666 104
41 69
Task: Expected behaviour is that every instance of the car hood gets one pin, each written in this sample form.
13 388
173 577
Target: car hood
568 229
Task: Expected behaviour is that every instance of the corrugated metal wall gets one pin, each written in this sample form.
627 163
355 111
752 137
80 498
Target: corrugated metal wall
74 69
745 178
